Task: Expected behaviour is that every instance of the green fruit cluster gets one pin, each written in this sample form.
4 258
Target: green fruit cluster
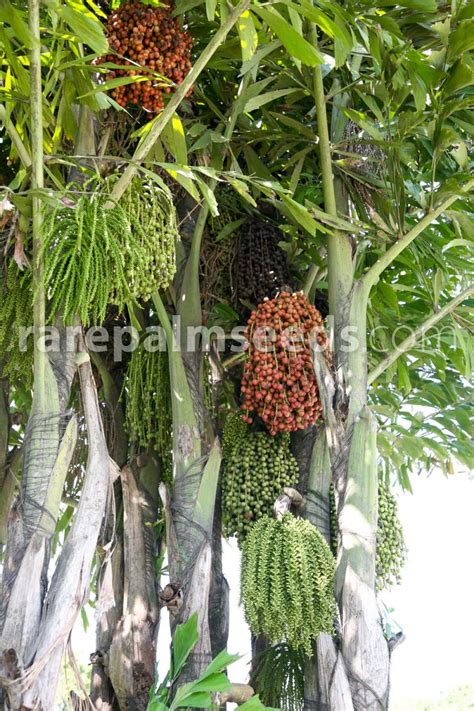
16 310
150 254
148 400
278 677
98 254
256 468
287 582
391 548
235 431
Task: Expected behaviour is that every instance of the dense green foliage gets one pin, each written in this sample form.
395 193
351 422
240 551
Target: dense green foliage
397 82
201 692
287 582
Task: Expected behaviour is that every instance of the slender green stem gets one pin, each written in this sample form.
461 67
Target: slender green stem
37 183
148 142
323 134
372 276
410 341
340 269
163 317
310 279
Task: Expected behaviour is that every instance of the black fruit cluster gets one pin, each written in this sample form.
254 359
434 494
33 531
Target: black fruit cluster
261 264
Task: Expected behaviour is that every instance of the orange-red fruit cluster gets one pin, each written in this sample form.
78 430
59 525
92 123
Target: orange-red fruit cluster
279 383
152 38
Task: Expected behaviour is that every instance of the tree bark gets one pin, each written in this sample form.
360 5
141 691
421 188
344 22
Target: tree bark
326 683
134 637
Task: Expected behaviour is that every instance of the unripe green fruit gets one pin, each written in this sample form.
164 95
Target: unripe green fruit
247 476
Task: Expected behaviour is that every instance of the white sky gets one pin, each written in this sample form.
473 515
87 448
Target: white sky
433 604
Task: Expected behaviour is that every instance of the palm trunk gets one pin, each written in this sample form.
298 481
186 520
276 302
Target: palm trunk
351 449
134 636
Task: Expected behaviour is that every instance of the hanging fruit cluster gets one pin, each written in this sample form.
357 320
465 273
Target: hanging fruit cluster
256 469
147 38
287 582
391 548
16 311
261 265
148 400
235 431
278 677
150 256
279 383
96 254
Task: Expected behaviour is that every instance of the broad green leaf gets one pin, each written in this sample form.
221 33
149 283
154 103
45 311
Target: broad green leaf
204 140
299 127
323 21
13 17
337 223
426 6
85 619
88 30
254 704
186 182
184 640
464 222
466 11
208 196
461 40
296 45
211 9
199 700
175 140
241 188
342 47
404 382
214 682
255 165
220 662
262 99
460 76
301 215
460 154
458 243
254 89
229 229
156 705
437 281
361 120
389 295
113 84
259 56
248 35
